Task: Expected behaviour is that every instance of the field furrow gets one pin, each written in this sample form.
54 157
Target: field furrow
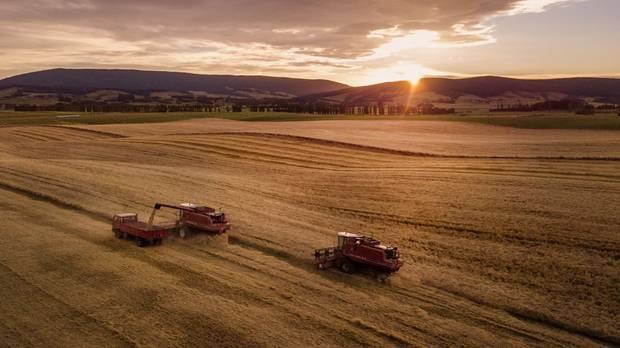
499 251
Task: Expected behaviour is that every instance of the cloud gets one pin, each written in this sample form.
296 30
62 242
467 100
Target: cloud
270 35
536 6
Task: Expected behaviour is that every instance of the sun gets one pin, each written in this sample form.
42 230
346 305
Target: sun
400 71
414 77
414 72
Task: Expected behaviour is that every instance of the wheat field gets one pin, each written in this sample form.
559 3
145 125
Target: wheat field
510 237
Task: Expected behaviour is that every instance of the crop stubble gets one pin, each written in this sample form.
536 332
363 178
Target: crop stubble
501 246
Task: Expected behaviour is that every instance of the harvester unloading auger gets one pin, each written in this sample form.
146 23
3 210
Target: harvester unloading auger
192 218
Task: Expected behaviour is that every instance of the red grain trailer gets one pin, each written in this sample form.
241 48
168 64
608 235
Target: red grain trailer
126 225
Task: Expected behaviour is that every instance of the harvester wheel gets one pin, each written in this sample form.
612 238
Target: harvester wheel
347 266
140 242
118 234
382 277
184 232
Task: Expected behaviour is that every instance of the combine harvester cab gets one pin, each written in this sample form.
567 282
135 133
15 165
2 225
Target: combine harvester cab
355 252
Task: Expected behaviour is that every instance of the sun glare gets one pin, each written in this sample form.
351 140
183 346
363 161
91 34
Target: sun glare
414 76
401 71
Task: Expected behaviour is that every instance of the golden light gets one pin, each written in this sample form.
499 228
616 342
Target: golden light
399 42
401 71
409 41
415 73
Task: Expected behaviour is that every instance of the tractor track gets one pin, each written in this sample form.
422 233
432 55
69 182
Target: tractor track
89 131
384 150
78 315
38 196
541 319
463 232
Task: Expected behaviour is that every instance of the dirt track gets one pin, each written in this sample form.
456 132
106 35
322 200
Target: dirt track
519 251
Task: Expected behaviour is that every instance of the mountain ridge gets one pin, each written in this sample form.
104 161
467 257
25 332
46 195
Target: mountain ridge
189 86
143 80
481 87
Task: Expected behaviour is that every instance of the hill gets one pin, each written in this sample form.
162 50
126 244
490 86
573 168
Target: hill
89 80
491 86
483 89
50 87
383 92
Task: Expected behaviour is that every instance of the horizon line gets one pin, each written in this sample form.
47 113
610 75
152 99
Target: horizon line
439 76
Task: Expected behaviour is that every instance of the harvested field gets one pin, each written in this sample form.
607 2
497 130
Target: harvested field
510 237
421 137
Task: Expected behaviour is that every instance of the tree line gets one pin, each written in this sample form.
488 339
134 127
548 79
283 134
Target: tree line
578 106
318 108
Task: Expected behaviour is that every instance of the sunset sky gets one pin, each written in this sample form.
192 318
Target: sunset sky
350 41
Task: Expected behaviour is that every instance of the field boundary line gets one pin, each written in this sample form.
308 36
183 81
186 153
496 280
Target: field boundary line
378 149
39 196
86 130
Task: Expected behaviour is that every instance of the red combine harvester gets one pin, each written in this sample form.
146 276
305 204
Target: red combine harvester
192 218
127 225
359 252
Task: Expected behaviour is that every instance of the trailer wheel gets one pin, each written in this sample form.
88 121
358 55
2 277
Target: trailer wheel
184 232
118 234
382 277
347 266
140 242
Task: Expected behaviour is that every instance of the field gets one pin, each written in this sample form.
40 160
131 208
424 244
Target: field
603 120
510 236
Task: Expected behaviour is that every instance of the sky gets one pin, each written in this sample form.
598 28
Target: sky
357 42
